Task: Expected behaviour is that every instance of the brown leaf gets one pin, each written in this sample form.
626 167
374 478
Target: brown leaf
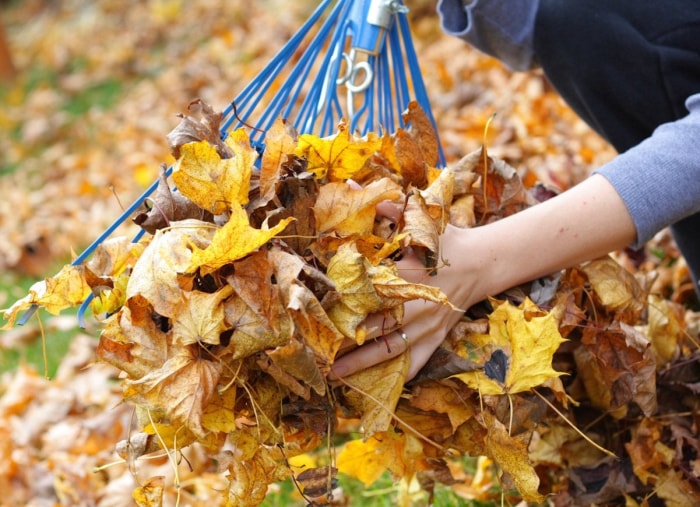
206 128
280 141
617 366
251 331
168 206
181 387
298 360
423 133
316 482
410 159
132 340
447 398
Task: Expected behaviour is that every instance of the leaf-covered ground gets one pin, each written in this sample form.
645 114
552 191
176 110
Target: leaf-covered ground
99 87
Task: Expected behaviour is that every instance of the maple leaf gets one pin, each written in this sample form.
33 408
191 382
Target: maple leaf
395 290
191 129
524 338
617 366
233 241
168 206
344 210
219 415
421 229
251 332
616 288
249 478
157 274
369 458
132 341
309 316
200 317
337 157
665 330
114 256
443 398
216 184
68 288
422 130
182 387
409 157
298 360
438 197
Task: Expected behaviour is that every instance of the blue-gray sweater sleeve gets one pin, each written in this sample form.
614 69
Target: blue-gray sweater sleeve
502 29
659 179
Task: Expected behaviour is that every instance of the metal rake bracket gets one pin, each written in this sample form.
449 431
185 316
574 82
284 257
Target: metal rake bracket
357 64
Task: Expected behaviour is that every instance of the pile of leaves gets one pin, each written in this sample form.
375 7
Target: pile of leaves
258 272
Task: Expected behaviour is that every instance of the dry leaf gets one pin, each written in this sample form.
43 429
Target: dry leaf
519 347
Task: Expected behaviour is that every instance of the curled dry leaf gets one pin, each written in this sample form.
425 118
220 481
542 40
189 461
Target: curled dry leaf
191 129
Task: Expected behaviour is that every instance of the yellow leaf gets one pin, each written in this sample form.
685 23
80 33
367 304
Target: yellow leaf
233 241
348 270
66 289
368 459
249 478
344 210
375 391
156 275
511 454
340 156
526 337
219 415
151 493
213 183
110 300
200 317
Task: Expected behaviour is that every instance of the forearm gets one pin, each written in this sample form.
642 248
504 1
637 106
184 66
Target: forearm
581 224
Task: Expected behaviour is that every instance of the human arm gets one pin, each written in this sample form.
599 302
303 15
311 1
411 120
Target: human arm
585 222
624 203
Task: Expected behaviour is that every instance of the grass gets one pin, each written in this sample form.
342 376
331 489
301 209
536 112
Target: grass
384 493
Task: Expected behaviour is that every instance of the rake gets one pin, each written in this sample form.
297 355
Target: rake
357 64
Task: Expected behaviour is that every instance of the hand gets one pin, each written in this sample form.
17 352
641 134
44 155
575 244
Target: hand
425 324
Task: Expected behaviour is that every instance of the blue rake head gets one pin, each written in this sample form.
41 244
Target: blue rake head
357 64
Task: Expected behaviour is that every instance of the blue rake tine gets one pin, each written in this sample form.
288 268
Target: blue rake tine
128 212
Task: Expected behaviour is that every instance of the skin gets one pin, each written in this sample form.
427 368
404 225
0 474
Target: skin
581 224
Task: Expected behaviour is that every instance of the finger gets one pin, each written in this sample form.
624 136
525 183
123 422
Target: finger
373 352
389 210
378 324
